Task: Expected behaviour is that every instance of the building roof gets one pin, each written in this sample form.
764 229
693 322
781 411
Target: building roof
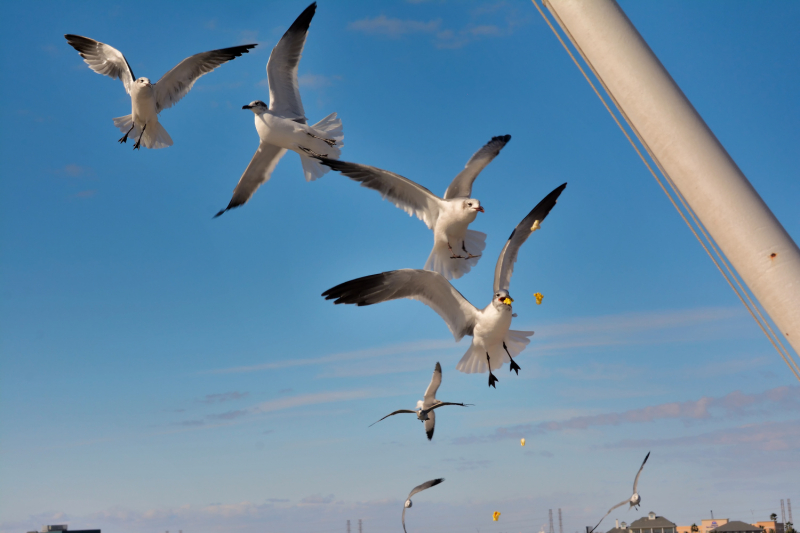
736 526
647 522
619 530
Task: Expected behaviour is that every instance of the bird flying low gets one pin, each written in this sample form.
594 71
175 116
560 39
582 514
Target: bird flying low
149 99
283 125
493 343
633 501
426 406
456 249
418 488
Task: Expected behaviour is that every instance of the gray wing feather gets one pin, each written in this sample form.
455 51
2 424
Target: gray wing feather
505 263
103 59
428 287
436 380
176 83
404 519
396 412
284 92
636 479
461 186
409 196
426 485
256 174
608 513
430 425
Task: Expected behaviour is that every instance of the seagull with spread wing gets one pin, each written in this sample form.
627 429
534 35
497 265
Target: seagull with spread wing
456 249
493 343
283 125
633 501
149 99
418 488
426 406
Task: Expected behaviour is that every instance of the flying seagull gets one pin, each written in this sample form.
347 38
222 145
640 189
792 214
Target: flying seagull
426 406
283 125
149 99
418 488
492 341
633 501
456 249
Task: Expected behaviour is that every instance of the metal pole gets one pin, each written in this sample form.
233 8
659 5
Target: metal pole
746 231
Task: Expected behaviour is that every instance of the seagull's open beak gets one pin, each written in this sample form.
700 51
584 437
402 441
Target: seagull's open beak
508 300
479 209
248 106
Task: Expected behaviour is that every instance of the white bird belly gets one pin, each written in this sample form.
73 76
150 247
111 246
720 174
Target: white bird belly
281 132
451 226
492 327
143 105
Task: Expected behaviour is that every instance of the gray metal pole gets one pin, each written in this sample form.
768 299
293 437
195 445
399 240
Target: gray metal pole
744 228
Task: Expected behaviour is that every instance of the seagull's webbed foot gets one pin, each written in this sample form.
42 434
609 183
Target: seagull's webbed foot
138 144
124 138
492 378
513 365
469 255
329 142
312 153
453 254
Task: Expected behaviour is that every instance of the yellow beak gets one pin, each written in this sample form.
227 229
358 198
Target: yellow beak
508 300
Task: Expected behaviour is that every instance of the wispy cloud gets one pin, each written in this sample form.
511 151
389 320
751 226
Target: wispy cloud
317 81
394 349
317 499
735 404
224 397
393 27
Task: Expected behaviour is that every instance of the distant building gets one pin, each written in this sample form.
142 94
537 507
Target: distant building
710 524
62 528
652 524
770 526
736 526
619 528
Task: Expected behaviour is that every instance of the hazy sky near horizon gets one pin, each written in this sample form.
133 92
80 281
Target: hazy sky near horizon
161 370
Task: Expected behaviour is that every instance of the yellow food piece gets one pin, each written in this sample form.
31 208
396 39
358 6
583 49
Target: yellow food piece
508 301
536 225
495 515
522 442
538 296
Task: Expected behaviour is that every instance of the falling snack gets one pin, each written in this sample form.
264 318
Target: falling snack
538 296
522 442
536 225
495 515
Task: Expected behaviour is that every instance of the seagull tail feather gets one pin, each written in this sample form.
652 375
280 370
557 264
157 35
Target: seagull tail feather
441 259
329 127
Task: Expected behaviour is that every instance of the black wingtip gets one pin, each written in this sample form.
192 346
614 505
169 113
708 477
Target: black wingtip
645 458
503 138
430 434
220 213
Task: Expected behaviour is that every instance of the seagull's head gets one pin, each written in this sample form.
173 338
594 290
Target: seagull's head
408 503
472 206
502 299
144 82
256 106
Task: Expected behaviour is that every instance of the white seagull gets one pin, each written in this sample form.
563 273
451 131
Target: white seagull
426 406
418 488
489 327
448 217
634 500
149 99
283 125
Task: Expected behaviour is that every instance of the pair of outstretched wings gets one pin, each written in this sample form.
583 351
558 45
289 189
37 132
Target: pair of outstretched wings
635 485
412 197
174 85
419 488
432 289
284 100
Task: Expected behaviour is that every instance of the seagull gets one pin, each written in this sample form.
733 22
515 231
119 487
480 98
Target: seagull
489 327
429 402
633 501
418 488
456 249
149 99
283 125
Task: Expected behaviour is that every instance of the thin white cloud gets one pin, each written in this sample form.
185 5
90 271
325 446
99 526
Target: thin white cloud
733 405
393 27
301 400
393 349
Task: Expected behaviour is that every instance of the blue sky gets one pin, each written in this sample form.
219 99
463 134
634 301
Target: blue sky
163 370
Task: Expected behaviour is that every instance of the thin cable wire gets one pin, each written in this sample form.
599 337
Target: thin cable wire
754 311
